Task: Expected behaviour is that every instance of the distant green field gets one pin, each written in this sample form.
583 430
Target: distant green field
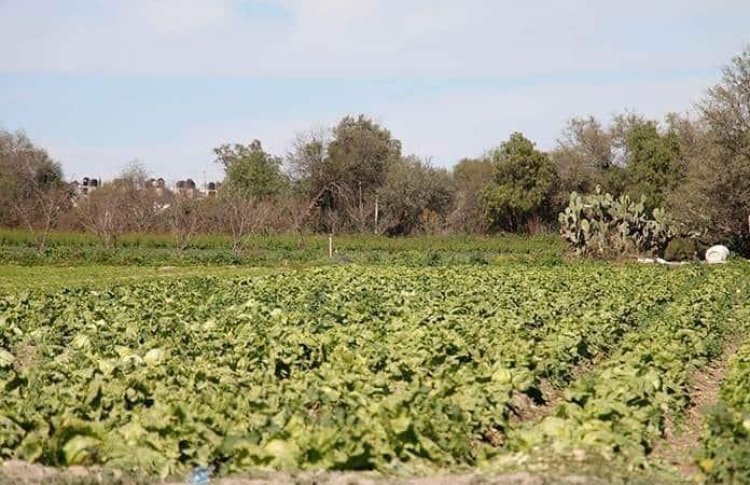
25 278
16 247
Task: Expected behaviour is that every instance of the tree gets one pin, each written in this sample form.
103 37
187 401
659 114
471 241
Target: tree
726 109
242 215
142 204
26 173
470 177
306 160
653 165
523 183
236 214
341 176
361 151
32 190
583 157
715 197
632 155
101 212
415 196
185 216
39 202
251 171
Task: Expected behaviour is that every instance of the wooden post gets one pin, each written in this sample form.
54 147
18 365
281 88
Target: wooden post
376 214
361 207
330 245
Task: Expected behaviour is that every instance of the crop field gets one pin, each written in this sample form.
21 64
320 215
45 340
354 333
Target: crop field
397 369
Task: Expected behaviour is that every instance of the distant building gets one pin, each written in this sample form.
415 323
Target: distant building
187 187
157 185
86 186
212 189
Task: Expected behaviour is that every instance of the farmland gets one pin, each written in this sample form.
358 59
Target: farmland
398 368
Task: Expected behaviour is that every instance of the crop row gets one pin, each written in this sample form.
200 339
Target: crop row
620 408
725 452
334 368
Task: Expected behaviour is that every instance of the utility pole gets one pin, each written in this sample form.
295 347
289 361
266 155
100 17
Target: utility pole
361 207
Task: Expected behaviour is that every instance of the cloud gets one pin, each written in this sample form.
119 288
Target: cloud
367 37
451 79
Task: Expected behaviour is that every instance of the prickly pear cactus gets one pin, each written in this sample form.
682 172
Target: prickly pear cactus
600 225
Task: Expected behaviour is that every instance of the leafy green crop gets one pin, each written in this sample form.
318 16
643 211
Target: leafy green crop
725 455
620 408
349 368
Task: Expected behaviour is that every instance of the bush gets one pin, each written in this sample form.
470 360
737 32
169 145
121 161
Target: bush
681 249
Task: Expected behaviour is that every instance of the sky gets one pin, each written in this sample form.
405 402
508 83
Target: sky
100 83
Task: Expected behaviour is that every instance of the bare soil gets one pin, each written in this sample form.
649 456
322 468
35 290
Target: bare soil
682 437
18 472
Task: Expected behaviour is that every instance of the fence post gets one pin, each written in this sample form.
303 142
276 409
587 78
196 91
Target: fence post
330 245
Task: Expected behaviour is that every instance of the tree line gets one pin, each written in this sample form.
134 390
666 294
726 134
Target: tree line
356 178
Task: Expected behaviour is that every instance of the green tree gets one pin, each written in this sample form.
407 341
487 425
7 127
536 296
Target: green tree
415 196
470 177
341 175
361 151
250 171
522 187
653 164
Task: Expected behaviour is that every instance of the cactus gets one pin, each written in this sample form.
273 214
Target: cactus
599 224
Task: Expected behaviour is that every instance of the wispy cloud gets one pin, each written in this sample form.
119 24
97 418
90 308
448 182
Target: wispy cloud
103 81
365 37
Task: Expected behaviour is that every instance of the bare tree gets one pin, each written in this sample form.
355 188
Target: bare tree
142 203
32 191
715 196
101 212
185 217
470 177
237 214
39 203
293 214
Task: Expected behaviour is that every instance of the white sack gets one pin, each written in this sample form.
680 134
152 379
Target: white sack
717 254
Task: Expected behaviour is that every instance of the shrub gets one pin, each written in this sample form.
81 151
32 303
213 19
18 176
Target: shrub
681 249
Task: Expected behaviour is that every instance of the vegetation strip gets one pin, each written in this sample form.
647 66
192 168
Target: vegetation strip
682 433
725 452
620 410
340 368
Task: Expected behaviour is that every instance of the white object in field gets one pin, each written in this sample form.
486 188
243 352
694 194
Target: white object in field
717 254
661 261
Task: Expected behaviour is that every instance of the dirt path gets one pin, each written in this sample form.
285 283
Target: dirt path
17 472
683 438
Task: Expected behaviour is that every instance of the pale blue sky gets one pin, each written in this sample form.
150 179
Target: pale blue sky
102 82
